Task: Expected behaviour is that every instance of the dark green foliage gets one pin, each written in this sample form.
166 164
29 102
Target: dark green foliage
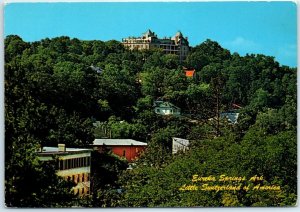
104 187
257 154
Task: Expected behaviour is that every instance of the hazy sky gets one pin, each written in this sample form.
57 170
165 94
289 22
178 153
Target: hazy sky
243 27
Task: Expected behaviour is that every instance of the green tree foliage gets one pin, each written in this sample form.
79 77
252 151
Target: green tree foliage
14 46
256 154
105 187
206 53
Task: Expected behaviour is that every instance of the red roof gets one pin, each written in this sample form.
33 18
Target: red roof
190 73
236 106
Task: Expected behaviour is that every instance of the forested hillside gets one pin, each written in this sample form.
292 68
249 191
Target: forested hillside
55 89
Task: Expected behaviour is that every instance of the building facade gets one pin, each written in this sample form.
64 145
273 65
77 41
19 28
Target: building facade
74 164
124 148
178 44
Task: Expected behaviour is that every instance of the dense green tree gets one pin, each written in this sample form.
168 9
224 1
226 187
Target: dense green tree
14 46
206 53
105 188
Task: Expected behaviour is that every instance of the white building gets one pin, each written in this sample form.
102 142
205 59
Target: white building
166 108
179 144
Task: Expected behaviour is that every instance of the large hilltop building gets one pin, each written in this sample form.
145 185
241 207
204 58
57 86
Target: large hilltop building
178 44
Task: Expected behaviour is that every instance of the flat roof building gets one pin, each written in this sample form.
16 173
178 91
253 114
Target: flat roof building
73 164
124 148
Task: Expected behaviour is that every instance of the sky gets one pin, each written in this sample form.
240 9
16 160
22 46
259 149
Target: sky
268 28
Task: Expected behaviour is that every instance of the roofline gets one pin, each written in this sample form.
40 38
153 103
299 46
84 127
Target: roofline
118 145
40 154
107 142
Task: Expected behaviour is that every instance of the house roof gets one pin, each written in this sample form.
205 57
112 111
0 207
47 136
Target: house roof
231 116
149 33
236 106
118 142
97 69
163 104
189 73
179 34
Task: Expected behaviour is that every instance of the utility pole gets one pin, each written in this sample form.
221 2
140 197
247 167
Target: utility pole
218 112
216 82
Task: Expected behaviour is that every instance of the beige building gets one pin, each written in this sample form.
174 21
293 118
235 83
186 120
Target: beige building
74 164
178 44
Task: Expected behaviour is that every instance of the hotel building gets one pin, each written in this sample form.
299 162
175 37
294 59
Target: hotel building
178 44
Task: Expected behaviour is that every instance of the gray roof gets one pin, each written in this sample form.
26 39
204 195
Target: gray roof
149 33
231 116
118 142
179 34
163 104
47 149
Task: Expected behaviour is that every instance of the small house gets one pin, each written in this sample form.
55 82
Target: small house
189 72
166 108
231 116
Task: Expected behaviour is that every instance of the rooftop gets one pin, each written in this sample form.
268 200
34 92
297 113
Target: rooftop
163 104
175 39
55 150
118 142
189 73
231 116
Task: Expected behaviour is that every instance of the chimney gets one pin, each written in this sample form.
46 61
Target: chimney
61 147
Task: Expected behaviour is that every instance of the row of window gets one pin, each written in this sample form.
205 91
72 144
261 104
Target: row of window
167 110
81 191
136 41
78 178
169 47
74 163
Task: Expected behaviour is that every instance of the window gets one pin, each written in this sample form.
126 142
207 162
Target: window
61 165
124 153
68 164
